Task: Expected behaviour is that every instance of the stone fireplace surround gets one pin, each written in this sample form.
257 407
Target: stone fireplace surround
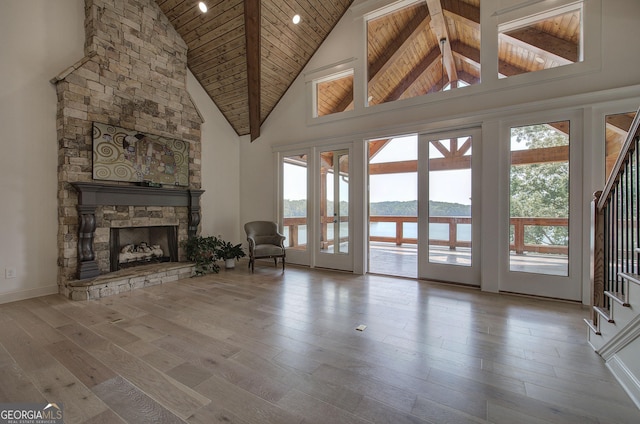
93 195
133 75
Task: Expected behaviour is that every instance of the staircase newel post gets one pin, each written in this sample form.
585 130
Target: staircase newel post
597 255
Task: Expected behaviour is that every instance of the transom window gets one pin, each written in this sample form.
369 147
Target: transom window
417 48
334 93
541 41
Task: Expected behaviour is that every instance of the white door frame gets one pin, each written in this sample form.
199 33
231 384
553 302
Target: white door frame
339 261
295 256
560 287
469 275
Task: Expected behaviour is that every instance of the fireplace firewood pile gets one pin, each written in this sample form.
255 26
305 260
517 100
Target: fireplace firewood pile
139 252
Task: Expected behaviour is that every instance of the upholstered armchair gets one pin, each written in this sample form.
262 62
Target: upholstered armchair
264 242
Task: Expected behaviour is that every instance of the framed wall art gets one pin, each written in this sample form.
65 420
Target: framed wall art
125 155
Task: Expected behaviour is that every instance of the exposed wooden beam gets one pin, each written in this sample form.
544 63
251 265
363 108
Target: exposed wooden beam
462 150
506 69
252 34
468 78
425 64
376 145
543 155
408 33
518 157
448 164
441 148
436 164
562 126
549 44
542 52
393 167
345 103
462 11
620 123
466 53
399 49
439 28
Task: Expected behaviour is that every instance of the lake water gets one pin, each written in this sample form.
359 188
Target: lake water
388 229
410 230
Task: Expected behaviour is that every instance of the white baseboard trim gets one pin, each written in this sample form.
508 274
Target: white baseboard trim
628 334
28 294
625 377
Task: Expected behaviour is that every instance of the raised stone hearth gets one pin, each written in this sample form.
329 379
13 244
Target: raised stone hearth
129 279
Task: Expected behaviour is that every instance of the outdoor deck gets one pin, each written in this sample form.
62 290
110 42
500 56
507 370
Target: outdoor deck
397 254
402 261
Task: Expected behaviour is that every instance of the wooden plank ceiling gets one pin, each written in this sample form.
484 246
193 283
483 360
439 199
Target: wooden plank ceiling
246 68
223 46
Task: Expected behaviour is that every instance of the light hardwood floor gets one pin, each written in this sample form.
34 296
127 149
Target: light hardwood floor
283 348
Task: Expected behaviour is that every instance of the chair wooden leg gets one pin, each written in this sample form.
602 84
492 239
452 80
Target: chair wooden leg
283 264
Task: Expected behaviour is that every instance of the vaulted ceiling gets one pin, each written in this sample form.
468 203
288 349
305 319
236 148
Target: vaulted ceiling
246 67
246 53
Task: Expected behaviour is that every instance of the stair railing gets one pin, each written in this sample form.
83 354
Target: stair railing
615 232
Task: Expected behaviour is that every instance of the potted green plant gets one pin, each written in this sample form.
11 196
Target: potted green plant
230 253
203 251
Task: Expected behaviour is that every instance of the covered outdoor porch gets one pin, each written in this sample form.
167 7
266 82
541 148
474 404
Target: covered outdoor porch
398 254
402 261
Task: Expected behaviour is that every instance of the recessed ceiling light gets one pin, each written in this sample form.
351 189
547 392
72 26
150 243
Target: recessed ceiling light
539 59
203 7
296 19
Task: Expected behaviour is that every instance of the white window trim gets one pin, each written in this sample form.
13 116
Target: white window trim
323 74
332 77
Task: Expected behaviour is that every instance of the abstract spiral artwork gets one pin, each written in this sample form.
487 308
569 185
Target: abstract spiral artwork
124 155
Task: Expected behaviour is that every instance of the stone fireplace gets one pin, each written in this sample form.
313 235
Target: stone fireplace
133 76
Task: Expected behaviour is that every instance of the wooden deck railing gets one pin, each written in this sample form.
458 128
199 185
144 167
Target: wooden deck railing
453 242
615 230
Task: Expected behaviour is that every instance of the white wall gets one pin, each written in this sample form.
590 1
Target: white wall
220 169
38 40
607 76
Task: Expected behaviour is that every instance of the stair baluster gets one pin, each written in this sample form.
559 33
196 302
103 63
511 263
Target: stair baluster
616 233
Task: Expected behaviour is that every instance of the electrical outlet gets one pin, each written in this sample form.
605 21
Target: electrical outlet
10 273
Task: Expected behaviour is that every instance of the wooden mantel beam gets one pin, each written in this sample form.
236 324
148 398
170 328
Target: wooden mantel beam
252 36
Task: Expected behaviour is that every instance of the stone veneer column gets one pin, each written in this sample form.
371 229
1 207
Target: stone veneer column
134 76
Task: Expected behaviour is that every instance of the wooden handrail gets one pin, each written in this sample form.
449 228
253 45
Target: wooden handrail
452 242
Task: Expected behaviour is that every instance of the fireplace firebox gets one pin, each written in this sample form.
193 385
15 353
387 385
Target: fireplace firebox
132 246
